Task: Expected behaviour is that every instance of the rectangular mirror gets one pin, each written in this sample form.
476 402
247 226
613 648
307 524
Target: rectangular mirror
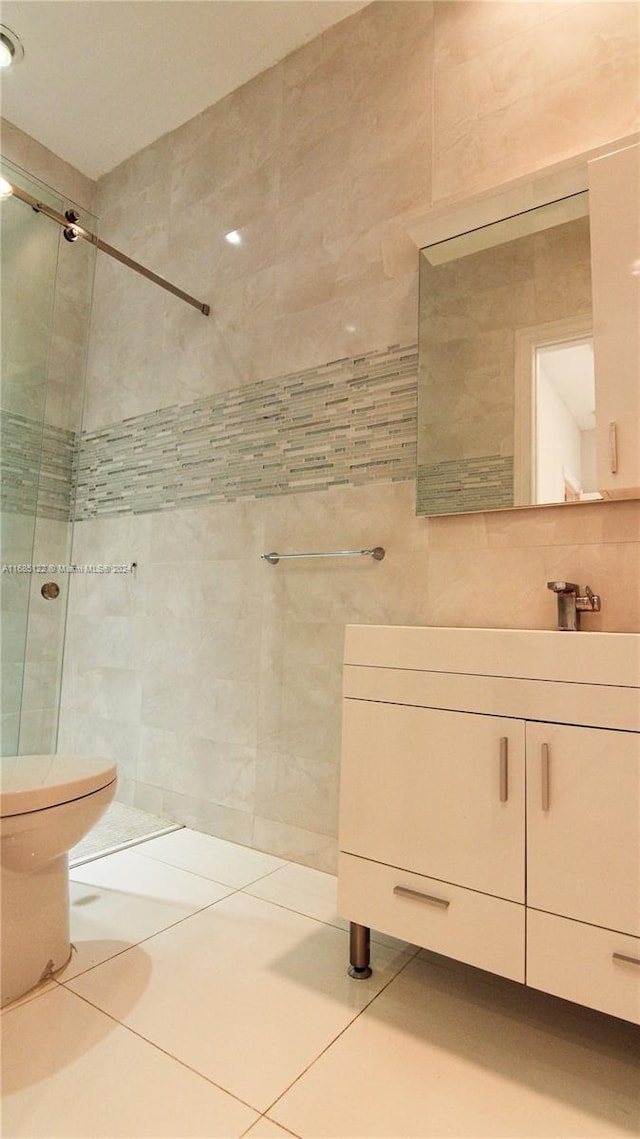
506 399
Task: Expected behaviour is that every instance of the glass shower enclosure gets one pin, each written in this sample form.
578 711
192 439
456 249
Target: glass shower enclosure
46 290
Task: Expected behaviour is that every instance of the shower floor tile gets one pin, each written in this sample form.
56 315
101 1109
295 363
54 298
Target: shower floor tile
120 826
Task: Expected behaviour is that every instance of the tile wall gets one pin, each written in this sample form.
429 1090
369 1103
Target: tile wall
483 483
36 467
344 423
212 677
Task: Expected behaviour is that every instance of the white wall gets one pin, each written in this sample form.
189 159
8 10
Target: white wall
559 452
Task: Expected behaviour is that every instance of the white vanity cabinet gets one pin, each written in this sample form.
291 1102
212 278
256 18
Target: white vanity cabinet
490 802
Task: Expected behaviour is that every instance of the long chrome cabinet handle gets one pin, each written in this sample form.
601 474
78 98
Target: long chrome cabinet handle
405 893
546 777
627 960
613 448
504 769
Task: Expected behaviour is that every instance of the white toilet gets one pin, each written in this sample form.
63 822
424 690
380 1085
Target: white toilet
48 803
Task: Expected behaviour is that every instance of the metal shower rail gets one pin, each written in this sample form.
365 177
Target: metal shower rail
72 231
376 552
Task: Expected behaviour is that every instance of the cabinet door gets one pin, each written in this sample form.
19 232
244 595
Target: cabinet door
614 187
583 824
426 790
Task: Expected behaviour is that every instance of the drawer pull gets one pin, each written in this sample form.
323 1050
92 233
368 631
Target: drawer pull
546 777
504 769
405 893
627 960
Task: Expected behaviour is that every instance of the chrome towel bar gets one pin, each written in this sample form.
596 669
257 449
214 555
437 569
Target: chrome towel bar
376 552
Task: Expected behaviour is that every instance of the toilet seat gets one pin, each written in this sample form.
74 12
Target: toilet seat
34 782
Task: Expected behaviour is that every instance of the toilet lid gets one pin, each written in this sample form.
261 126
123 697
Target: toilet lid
33 782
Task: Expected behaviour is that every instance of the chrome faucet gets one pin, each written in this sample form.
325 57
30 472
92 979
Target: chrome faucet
571 603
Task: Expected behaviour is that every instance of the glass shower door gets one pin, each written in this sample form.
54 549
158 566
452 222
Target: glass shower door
46 287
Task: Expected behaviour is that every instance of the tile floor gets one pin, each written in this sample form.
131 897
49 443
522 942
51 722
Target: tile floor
208 996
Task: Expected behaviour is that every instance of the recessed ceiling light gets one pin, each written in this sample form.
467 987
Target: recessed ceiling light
11 50
234 238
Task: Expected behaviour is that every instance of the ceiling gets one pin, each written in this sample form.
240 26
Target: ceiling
101 79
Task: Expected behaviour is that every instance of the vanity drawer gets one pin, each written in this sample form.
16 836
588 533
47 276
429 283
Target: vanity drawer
576 961
469 926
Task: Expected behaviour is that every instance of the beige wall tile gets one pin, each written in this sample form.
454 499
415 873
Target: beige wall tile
298 792
465 28
506 587
85 734
576 85
596 41
295 843
199 768
220 710
199 814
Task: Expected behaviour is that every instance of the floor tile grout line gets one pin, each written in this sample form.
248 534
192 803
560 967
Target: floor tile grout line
65 985
293 1134
339 1034
232 890
323 921
267 873
112 888
164 1052
203 877
299 913
156 933
201 909
262 1114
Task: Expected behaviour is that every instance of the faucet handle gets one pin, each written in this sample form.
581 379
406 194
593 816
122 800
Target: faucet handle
590 603
563 587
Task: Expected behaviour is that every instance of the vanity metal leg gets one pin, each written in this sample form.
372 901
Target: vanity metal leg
359 955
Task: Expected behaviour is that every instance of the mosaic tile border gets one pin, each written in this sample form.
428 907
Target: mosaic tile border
36 467
483 483
345 423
